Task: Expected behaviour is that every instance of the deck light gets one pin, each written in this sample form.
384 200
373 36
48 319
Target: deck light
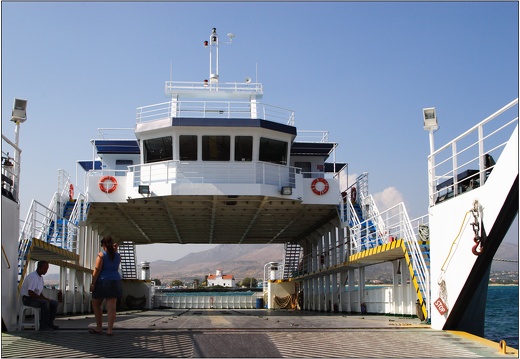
431 125
287 191
143 189
430 119
19 113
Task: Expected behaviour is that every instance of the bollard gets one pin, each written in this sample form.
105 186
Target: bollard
503 347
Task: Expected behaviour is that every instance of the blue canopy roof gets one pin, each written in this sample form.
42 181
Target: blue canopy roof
87 165
117 146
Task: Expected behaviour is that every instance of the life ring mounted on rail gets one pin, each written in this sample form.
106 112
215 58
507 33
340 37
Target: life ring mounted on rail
324 185
105 189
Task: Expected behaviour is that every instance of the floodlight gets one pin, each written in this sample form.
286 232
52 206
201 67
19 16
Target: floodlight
144 189
430 119
19 113
286 191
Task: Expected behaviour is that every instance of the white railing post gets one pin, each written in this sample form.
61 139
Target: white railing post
482 172
455 172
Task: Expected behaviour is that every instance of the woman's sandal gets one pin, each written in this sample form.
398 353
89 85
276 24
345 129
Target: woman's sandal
94 331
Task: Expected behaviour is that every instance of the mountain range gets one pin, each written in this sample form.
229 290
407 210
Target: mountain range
248 260
240 260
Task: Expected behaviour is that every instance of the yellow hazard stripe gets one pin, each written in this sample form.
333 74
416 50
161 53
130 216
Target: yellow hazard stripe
414 281
379 249
52 248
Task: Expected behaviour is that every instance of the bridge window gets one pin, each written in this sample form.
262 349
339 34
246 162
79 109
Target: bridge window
188 148
158 149
216 148
243 148
273 151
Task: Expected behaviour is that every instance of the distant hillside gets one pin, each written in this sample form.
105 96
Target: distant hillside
248 260
241 260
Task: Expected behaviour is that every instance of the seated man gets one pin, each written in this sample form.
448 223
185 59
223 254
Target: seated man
32 296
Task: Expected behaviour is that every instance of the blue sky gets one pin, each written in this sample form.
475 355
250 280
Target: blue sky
363 71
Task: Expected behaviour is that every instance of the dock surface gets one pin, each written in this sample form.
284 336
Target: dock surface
248 333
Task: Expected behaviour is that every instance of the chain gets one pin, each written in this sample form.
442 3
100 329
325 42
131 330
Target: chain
478 247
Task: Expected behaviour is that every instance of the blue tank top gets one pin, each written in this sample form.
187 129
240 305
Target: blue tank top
110 269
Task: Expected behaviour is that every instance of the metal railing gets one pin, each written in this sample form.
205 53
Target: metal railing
206 301
49 224
214 109
10 167
312 136
172 87
465 162
420 227
46 224
228 172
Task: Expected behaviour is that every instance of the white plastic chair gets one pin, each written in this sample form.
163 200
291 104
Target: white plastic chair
22 317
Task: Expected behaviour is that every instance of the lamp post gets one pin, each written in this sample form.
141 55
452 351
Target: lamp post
18 116
431 125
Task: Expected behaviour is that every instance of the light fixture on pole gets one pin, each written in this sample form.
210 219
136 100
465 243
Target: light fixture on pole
431 125
18 116
19 113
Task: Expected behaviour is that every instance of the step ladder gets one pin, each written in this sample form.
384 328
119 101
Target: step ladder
128 260
291 260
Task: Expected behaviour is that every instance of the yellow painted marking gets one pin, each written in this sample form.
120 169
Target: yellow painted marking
219 321
483 341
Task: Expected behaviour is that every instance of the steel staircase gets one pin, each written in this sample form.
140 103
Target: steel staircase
128 260
417 256
56 225
291 260
369 229
59 229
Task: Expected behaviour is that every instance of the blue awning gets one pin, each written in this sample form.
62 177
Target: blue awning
117 146
87 165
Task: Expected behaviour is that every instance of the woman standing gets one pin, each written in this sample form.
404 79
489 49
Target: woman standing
106 284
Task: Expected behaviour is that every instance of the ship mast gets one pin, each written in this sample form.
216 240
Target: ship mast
213 56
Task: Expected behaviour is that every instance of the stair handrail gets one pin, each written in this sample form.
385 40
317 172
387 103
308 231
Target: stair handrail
354 224
415 253
77 215
398 225
373 213
370 214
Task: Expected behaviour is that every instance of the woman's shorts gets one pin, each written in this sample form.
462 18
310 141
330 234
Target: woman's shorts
108 289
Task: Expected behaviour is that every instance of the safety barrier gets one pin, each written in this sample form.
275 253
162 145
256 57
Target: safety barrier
209 301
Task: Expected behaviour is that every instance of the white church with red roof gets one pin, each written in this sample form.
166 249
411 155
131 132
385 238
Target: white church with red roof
224 280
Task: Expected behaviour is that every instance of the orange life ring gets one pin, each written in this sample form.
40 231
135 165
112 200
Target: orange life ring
353 195
71 191
325 186
106 189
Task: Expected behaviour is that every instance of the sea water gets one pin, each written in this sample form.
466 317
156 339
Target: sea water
501 321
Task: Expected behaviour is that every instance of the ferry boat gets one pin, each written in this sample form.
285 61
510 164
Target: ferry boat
215 165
